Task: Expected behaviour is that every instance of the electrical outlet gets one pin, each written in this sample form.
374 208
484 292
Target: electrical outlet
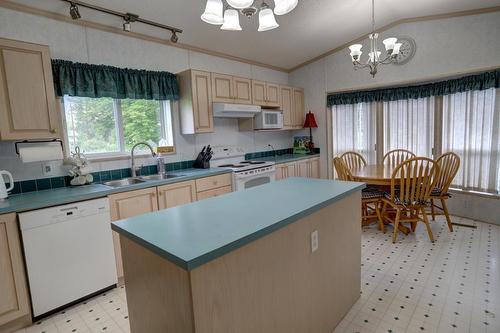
314 241
49 168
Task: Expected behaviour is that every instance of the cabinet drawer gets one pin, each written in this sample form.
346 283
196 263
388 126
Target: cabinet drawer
209 183
214 193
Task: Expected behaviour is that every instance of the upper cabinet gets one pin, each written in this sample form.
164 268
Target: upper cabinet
265 94
298 107
27 99
196 102
231 89
287 107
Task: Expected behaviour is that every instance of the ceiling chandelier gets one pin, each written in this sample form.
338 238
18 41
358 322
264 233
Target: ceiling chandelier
227 15
374 60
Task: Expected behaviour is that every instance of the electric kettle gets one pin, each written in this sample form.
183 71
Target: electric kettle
3 189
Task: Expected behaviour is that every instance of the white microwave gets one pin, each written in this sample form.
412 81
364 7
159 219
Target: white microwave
269 119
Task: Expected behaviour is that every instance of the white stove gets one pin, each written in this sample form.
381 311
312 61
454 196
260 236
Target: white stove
246 174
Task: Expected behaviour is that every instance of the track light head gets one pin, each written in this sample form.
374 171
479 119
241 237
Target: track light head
127 26
174 38
74 12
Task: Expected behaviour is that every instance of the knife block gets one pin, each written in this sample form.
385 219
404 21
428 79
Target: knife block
199 163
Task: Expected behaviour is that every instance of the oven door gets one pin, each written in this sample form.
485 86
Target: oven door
243 182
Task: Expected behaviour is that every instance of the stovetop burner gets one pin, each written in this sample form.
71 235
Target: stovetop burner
231 166
253 162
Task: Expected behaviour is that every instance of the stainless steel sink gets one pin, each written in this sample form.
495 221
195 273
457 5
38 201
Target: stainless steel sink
124 182
160 177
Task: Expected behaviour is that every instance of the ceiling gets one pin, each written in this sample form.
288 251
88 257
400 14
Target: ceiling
313 28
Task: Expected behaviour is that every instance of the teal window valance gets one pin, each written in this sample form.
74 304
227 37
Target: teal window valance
472 82
87 80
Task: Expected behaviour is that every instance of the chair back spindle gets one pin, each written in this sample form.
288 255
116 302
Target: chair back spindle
449 163
353 160
343 172
397 156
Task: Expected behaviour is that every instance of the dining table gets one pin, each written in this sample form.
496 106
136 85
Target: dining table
377 175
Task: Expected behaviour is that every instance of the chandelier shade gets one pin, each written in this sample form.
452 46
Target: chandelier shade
267 20
283 7
213 12
231 20
240 4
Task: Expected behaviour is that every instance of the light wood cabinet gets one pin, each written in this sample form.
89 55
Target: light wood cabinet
265 94
231 89
315 168
285 170
176 194
196 102
308 168
298 107
14 301
209 183
27 99
303 168
129 204
214 192
287 106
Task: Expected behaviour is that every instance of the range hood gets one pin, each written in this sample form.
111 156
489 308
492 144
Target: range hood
227 110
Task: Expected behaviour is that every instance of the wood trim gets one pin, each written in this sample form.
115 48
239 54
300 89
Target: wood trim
398 22
98 26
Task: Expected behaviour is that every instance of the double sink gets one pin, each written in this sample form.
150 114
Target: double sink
139 180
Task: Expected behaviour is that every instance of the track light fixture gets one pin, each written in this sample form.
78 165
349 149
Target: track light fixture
74 12
128 18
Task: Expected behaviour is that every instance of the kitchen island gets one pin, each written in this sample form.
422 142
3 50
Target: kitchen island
246 261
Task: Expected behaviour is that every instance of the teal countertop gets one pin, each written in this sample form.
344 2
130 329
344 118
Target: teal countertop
47 198
194 234
278 159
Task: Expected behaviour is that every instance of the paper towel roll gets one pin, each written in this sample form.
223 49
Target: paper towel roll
40 153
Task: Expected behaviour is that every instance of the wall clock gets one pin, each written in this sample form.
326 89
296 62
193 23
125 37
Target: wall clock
407 50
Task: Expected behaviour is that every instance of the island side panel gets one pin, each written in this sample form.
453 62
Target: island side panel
158 292
277 285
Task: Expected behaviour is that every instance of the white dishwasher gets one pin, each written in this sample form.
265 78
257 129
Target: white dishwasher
69 253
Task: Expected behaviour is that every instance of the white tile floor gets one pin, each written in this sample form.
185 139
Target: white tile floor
452 285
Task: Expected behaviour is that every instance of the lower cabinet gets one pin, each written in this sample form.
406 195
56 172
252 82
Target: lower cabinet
308 168
176 194
129 204
14 300
214 192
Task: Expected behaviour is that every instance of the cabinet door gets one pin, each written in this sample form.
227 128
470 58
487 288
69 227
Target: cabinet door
27 100
291 169
259 93
202 101
298 105
286 94
14 302
222 88
303 168
176 194
242 90
129 204
315 169
273 95
281 171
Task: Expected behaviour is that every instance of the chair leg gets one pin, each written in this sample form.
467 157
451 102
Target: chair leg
448 219
432 210
427 225
396 225
379 216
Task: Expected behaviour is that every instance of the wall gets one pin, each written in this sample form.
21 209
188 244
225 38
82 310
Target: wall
445 47
72 42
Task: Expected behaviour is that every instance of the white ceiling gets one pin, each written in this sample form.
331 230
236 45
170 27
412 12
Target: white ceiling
313 28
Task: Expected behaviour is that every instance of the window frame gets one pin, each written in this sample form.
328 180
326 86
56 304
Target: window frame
166 129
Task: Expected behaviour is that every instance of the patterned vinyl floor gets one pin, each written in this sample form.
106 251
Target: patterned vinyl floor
452 285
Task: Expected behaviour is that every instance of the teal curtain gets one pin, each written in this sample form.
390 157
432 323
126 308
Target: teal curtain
473 82
87 80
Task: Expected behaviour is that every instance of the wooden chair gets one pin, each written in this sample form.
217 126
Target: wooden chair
397 156
448 164
369 196
353 160
411 186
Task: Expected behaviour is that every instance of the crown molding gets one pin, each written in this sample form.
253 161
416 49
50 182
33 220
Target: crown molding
102 27
395 23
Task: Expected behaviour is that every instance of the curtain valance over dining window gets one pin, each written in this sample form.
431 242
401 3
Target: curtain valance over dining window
87 80
481 81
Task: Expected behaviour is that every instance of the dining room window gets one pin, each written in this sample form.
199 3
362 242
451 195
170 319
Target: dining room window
355 129
409 124
470 128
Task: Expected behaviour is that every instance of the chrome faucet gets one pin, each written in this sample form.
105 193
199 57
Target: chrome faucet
133 169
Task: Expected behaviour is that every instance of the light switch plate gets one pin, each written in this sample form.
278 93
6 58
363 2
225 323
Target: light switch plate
314 240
